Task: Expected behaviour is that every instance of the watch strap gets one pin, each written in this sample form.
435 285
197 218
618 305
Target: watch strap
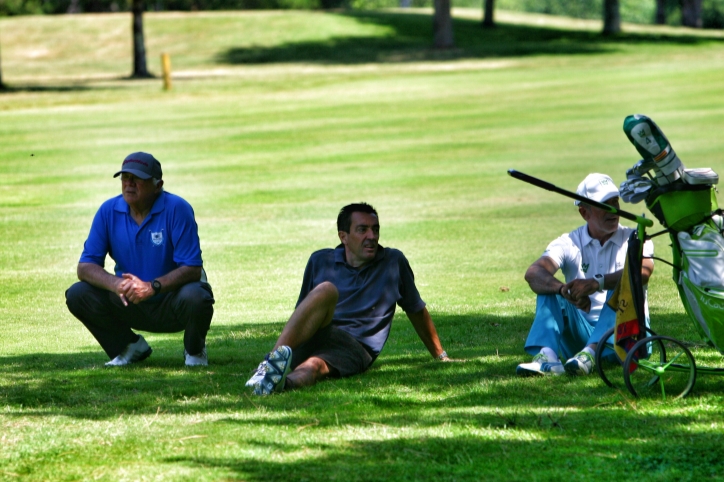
599 278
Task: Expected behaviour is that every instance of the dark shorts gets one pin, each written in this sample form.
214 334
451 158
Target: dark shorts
344 355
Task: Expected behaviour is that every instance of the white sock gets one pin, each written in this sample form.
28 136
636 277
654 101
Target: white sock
589 350
550 354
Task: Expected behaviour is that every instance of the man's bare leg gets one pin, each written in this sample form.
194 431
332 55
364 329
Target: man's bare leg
308 373
314 312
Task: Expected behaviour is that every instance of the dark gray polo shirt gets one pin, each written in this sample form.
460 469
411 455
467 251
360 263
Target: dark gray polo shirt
367 296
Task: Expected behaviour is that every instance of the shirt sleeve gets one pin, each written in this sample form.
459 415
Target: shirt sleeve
307 281
97 245
559 250
648 250
410 300
185 236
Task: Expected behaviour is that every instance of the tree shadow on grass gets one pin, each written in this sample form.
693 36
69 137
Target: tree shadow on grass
79 385
410 37
74 85
13 89
402 386
466 457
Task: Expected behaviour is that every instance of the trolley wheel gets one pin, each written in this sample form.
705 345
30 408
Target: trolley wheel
609 366
668 369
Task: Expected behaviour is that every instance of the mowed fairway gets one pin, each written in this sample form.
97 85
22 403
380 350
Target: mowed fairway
275 121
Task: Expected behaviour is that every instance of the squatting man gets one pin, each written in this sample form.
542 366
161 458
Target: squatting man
159 284
572 317
345 309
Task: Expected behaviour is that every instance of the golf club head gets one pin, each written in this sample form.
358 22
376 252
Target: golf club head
640 168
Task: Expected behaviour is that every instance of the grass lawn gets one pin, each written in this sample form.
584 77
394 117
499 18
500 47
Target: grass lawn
276 120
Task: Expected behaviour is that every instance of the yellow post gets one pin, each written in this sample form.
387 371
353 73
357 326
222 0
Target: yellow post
166 64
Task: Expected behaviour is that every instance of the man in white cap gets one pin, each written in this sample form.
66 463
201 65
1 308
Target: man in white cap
159 284
572 316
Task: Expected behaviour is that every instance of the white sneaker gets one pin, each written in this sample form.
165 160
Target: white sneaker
278 364
581 364
200 360
258 374
134 352
540 366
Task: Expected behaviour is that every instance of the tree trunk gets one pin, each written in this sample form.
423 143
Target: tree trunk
73 7
442 29
611 17
2 86
660 12
488 21
139 48
691 13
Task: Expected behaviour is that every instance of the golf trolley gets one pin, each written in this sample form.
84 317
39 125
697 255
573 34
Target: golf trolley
684 202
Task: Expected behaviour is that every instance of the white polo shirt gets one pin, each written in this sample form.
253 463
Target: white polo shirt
579 256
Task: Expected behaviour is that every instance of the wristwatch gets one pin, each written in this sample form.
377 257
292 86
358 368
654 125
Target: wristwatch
156 285
599 278
442 355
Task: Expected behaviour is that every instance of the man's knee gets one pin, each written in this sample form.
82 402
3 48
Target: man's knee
78 296
319 366
327 290
195 294
194 303
309 372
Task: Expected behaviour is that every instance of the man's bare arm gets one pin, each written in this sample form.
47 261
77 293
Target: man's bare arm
580 288
425 328
647 269
97 276
541 279
100 278
137 290
182 275
131 288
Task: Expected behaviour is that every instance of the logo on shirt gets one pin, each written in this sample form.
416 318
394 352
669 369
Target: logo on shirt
157 238
584 267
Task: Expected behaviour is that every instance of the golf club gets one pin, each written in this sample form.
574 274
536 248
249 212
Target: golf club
550 187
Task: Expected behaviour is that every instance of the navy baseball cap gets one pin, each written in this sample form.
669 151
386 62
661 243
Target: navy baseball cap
141 165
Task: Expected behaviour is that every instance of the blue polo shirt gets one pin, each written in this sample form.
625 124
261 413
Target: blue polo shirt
167 239
367 296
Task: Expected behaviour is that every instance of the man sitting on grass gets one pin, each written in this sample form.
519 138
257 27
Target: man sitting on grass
571 317
159 283
345 308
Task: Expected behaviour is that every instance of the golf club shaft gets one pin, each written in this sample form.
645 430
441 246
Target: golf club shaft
550 187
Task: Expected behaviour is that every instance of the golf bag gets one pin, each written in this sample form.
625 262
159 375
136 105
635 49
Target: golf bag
684 202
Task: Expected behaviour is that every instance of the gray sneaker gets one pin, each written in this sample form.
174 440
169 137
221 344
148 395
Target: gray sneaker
581 364
277 366
540 366
134 352
199 360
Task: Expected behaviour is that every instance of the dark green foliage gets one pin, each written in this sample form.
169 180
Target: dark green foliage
31 7
411 38
712 14
633 11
